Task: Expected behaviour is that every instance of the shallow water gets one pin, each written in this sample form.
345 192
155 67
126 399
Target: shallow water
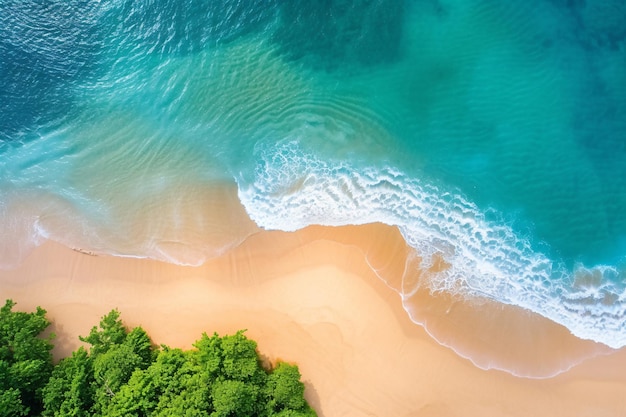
492 134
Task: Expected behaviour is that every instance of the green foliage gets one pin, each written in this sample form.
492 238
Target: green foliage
234 398
69 391
112 332
11 403
308 412
123 375
210 354
136 398
173 384
191 401
140 343
113 369
241 361
285 390
25 360
86 383
221 377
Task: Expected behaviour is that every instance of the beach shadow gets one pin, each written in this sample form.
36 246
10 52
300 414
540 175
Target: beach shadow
312 397
266 362
64 343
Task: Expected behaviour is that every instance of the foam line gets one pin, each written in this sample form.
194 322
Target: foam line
292 190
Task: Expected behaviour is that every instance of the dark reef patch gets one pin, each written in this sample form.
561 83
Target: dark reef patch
332 33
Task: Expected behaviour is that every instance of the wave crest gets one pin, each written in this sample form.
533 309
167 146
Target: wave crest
484 255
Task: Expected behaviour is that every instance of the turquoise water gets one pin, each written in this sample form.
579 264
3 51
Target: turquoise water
491 133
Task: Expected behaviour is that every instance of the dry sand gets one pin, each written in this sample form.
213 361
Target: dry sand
311 297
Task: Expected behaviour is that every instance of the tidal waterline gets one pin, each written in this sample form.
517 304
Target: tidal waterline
491 135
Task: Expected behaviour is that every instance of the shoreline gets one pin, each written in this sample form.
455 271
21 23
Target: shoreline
312 297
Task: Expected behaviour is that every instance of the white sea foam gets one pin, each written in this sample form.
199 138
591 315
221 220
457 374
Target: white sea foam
292 190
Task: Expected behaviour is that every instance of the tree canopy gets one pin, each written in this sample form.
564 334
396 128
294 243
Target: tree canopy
122 373
25 360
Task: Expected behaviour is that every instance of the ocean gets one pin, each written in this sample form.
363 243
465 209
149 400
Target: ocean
492 134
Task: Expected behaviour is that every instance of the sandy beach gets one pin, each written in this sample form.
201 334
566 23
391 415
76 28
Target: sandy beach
312 298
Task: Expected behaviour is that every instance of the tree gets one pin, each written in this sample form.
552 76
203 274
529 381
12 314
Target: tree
140 343
85 383
241 361
172 385
69 391
111 371
11 403
116 354
110 333
209 354
234 398
139 397
123 375
284 388
308 412
25 360
193 400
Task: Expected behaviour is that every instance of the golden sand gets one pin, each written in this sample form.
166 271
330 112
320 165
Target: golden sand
312 297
